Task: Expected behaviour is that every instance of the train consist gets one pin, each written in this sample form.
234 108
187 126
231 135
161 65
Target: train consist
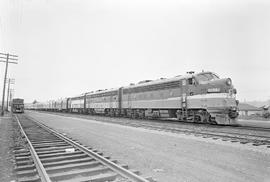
195 97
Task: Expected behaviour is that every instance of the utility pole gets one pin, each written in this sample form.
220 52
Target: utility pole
10 81
5 58
11 93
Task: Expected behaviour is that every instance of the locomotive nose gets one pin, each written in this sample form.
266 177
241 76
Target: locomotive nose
223 85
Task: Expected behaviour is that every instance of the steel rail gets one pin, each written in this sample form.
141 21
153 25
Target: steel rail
41 170
120 170
257 128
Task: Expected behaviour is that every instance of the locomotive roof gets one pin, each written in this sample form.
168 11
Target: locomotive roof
164 80
142 83
102 91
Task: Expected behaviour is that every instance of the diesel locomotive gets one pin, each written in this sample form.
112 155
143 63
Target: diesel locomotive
195 97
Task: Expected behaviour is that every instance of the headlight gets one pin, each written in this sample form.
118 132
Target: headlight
229 82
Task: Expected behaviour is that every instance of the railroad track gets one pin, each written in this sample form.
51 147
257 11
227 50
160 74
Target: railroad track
241 134
255 140
248 128
51 156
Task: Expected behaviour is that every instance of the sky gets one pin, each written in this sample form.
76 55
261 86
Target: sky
68 47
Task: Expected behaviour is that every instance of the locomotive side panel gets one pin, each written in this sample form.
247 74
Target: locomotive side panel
160 99
159 95
77 104
105 102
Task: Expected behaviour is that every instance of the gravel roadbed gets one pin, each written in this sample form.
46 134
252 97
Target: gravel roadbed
167 156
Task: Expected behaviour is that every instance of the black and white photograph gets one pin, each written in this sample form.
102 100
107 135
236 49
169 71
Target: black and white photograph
134 90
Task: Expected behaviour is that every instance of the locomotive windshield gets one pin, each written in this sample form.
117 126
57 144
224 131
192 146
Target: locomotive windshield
206 77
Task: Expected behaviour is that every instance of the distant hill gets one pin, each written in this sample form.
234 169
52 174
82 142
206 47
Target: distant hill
258 103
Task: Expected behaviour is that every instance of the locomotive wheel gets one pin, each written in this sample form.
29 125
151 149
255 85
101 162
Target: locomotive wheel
198 118
202 117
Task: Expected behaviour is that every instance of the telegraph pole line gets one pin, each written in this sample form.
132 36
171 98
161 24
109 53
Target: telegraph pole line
10 81
8 93
11 93
5 58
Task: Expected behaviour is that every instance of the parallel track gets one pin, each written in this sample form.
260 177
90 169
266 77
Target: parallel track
51 156
225 136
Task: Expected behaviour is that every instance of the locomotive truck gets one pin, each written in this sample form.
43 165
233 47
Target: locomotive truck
202 97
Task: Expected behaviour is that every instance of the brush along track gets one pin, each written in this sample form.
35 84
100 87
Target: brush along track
244 135
51 156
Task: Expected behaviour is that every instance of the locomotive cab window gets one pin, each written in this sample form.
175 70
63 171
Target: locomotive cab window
206 77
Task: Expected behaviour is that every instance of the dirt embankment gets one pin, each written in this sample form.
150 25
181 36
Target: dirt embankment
9 139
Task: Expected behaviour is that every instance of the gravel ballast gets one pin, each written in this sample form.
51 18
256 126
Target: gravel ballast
168 156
